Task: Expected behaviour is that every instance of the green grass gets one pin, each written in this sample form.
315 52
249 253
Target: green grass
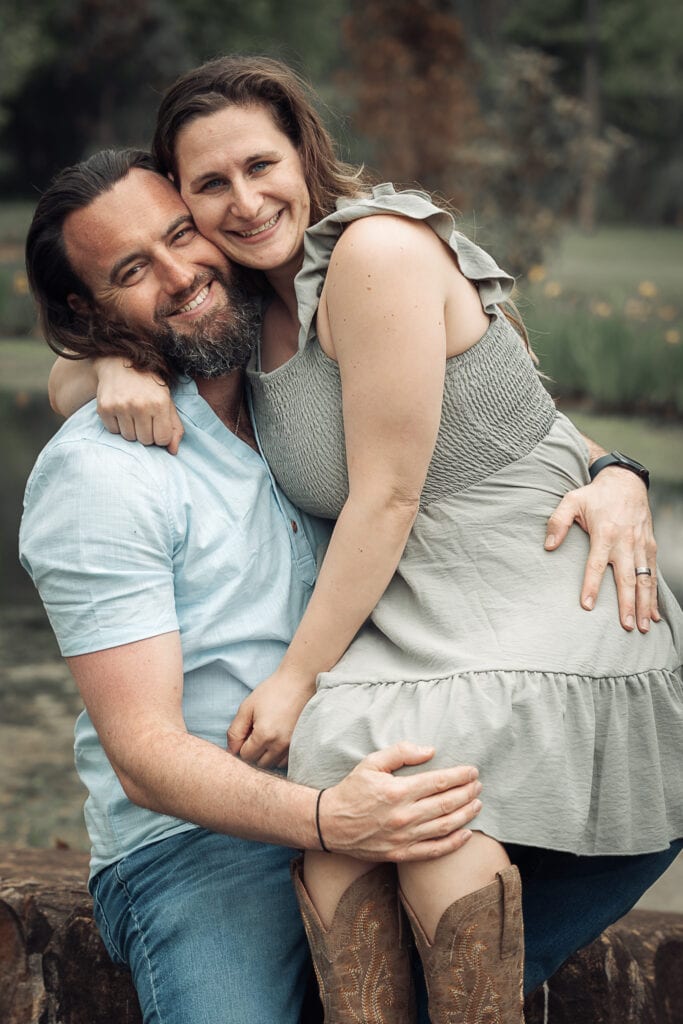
605 315
619 258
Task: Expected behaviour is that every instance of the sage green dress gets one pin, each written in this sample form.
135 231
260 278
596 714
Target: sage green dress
479 646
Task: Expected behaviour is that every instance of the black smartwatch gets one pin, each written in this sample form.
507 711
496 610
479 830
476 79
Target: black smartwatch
617 459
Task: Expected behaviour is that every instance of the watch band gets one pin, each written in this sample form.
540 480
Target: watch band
623 461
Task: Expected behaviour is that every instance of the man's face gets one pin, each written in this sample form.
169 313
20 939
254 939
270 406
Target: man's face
145 263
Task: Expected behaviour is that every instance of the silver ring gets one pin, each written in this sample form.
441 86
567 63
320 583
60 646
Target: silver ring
642 570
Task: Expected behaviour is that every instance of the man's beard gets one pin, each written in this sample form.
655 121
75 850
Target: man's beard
218 342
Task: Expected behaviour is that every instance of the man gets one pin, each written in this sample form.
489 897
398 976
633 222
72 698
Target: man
173 586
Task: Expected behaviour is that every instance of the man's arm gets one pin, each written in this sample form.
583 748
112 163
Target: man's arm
133 694
615 512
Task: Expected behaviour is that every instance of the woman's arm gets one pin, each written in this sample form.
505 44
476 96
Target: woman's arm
384 302
130 402
71 384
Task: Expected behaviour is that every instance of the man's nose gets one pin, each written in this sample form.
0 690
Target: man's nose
177 274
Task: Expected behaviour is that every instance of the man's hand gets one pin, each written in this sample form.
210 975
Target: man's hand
614 512
374 815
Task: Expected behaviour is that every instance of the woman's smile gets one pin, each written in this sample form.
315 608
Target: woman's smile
243 180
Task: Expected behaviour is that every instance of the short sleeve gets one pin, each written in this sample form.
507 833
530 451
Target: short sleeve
97 540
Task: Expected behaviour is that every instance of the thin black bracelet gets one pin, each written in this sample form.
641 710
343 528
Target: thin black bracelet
317 822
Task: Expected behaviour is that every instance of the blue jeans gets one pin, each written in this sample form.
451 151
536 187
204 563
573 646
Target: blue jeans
210 929
568 901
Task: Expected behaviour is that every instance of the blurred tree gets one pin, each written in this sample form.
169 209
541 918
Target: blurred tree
95 83
412 82
488 130
80 74
641 88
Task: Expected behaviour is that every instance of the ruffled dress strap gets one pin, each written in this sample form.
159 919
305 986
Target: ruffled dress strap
493 284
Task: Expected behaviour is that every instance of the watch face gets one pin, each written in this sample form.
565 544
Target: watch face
628 461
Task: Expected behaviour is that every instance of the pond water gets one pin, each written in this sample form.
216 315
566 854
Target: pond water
41 798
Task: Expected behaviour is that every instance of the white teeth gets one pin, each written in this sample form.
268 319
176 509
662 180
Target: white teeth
264 227
196 301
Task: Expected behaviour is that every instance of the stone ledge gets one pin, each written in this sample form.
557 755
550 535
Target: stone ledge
55 970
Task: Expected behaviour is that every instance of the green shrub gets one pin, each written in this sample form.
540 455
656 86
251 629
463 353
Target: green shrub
619 352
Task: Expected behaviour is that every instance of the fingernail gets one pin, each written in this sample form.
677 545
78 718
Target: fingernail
588 603
629 622
477 787
550 541
466 834
645 625
476 806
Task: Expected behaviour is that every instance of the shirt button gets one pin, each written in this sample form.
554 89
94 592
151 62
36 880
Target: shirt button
295 528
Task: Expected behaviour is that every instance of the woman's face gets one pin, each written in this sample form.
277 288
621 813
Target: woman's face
243 180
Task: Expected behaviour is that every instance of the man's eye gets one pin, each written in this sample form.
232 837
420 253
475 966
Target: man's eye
131 273
212 184
185 234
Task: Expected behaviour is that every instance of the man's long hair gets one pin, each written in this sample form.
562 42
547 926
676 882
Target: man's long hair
78 335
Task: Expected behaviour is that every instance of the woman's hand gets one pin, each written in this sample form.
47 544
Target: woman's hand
262 728
614 512
136 405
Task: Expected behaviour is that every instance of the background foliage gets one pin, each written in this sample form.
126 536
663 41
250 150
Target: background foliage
525 115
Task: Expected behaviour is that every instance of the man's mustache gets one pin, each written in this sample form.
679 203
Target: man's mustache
172 307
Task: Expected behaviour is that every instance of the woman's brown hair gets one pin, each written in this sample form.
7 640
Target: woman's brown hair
259 81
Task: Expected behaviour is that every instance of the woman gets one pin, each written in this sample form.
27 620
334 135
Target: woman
406 407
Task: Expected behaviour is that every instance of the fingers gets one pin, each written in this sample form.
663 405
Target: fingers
560 522
646 595
431 849
457 806
264 753
389 759
134 430
110 421
176 436
596 565
240 727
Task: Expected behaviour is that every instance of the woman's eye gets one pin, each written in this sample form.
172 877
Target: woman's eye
260 166
214 183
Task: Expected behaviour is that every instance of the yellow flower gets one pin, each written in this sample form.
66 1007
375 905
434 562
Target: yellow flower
636 309
672 337
600 308
537 273
667 312
553 289
20 283
648 289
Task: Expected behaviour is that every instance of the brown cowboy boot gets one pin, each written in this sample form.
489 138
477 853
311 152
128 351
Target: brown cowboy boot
362 962
474 969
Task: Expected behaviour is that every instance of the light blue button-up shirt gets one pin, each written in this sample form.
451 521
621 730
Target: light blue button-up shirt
126 542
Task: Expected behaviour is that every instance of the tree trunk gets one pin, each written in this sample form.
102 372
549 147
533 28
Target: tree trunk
588 195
